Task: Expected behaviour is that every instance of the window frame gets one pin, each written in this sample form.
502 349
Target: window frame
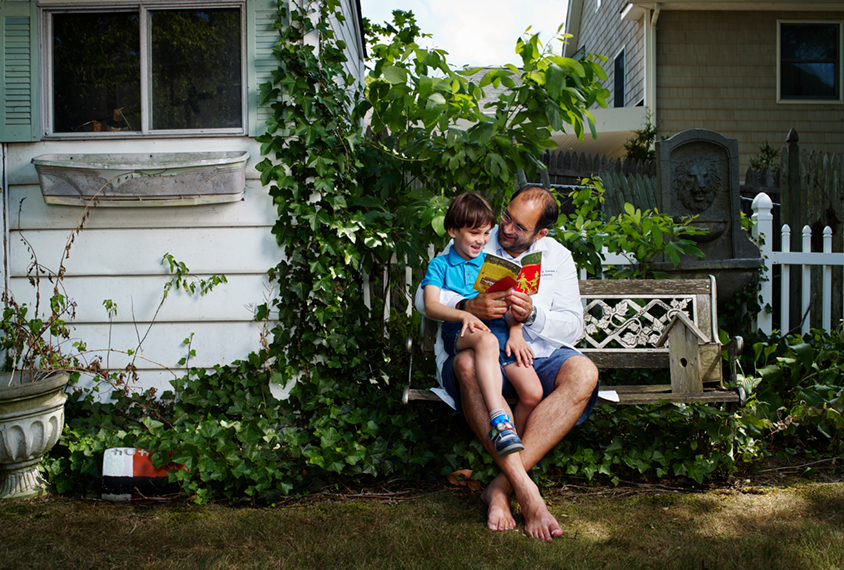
620 56
839 71
142 8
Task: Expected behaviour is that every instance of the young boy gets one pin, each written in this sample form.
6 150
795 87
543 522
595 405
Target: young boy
497 343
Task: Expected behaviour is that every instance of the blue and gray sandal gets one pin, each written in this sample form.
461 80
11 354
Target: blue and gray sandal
504 438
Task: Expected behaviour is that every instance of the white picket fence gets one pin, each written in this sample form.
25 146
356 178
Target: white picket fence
802 261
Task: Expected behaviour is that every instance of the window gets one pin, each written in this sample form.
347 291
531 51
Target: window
618 80
150 70
809 62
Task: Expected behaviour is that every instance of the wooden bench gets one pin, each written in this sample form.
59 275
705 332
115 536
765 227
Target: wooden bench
644 323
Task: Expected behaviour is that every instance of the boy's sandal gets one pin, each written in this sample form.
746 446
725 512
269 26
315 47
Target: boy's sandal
499 427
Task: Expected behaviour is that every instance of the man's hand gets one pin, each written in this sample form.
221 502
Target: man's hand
488 306
520 305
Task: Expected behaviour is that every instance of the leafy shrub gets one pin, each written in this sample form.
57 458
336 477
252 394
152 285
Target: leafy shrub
643 237
798 387
766 159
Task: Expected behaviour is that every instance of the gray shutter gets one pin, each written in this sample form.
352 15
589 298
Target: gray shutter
18 64
262 36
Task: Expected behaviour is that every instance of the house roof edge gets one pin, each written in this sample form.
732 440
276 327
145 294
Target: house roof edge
743 5
574 14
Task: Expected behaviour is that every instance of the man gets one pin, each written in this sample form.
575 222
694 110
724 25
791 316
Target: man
552 322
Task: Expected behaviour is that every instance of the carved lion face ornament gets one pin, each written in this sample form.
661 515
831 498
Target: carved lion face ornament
696 182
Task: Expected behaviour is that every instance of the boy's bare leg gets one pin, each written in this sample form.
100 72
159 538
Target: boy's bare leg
528 387
499 516
484 347
552 419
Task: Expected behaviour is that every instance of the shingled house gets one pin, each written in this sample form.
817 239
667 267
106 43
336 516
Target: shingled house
749 70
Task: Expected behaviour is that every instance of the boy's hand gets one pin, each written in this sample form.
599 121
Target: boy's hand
472 323
517 345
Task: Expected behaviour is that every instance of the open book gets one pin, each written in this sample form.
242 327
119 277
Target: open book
499 274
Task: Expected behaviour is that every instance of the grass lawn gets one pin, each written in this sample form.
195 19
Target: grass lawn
797 525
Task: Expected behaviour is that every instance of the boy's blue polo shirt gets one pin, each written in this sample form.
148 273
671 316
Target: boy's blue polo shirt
450 271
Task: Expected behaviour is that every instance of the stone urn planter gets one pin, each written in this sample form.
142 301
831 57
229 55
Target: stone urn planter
31 421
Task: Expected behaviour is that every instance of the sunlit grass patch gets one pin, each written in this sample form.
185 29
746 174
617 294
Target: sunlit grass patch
801 526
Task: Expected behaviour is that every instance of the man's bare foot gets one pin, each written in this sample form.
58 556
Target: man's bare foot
539 522
499 516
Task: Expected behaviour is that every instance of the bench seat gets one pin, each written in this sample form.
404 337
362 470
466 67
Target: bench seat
633 324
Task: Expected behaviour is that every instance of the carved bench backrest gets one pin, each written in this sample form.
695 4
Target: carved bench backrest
624 318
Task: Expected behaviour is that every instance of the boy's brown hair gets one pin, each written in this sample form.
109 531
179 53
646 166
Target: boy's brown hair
469 210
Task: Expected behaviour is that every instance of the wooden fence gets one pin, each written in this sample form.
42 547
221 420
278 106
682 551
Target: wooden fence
808 184
624 180
811 195
569 167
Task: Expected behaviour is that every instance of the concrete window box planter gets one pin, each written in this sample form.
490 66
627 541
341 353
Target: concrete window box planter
143 179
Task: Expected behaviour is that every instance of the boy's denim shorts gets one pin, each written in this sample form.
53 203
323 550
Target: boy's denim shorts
546 368
451 332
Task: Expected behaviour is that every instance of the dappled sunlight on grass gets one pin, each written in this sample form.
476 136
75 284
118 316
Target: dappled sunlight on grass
801 526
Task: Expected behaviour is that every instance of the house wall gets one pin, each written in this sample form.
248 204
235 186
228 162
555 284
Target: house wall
604 32
718 71
118 254
351 35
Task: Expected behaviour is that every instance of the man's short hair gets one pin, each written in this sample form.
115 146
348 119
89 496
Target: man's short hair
469 210
550 209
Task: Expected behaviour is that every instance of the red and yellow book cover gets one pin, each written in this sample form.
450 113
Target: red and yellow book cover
499 274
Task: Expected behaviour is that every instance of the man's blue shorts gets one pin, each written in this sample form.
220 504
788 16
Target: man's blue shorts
450 331
546 368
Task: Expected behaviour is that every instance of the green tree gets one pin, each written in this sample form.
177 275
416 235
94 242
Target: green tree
766 159
641 145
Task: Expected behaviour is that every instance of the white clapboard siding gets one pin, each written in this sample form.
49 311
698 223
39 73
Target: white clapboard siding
350 34
118 256
159 380
214 343
139 252
138 298
29 211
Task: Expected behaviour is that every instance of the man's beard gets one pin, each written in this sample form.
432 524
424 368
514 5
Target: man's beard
518 245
